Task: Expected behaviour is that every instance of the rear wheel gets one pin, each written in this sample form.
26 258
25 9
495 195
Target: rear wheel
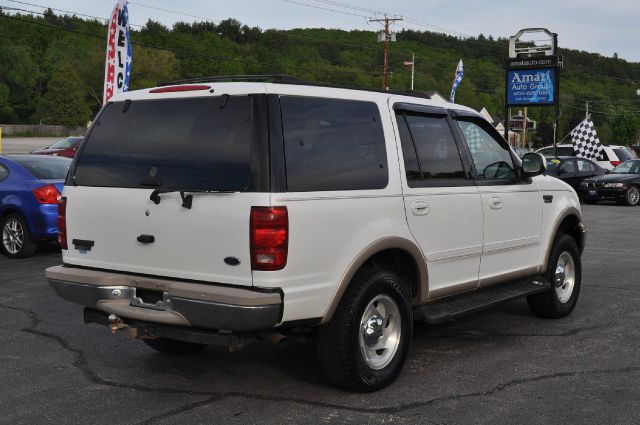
632 196
16 241
364 346
173 346
564 271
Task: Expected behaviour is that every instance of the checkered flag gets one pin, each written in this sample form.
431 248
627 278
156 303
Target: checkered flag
585 140
474 139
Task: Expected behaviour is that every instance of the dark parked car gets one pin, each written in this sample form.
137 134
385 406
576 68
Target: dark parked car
622 184
30 187
66 147
573 170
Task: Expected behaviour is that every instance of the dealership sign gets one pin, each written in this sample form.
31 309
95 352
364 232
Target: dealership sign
531 87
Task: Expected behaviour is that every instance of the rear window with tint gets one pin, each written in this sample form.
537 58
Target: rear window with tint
44 167
623 154
333 144
192 144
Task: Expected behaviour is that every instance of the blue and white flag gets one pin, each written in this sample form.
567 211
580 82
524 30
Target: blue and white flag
456 81
119 54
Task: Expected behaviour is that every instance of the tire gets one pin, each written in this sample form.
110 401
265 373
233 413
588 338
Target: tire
173 346
15 240
564 271
346 355
632 196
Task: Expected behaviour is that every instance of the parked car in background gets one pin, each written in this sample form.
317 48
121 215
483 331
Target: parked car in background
572 170
30 188
622 185
66 147
610 156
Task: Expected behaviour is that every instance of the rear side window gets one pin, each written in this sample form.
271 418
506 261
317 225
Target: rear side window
429 149
4 173
192 144
333 144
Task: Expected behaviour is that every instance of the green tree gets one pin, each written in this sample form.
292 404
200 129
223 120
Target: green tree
64 103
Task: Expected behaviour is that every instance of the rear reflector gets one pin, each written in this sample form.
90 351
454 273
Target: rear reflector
62 223
269 238
615 163
47 194
174 89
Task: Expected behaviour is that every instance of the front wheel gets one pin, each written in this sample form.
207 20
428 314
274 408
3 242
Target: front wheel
632 196
16 240
564 271
364 346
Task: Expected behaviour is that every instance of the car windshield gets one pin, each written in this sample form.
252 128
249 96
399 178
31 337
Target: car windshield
199 143
66 143
629 167
44 167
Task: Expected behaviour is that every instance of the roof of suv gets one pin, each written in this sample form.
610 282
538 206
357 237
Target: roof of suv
235 85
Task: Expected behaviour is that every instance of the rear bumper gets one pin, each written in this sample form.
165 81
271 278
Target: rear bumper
175 303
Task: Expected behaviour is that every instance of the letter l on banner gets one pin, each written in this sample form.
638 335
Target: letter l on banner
119 54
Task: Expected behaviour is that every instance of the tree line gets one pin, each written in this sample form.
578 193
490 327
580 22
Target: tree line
52 70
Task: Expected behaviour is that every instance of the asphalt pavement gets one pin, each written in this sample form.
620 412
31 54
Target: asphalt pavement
500 366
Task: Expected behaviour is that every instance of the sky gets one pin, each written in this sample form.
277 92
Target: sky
599 26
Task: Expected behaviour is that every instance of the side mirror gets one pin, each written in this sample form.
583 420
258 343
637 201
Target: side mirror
533 164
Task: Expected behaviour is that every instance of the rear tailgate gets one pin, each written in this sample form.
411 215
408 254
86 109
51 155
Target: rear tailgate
188 243
210 147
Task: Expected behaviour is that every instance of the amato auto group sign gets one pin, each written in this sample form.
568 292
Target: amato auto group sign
530 87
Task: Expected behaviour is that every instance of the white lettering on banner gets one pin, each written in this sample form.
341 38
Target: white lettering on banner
119 53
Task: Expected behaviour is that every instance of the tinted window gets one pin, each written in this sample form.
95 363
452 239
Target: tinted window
411 167
491 156
564 151
568 166
584 166
193 144
3 172
67 143
44 167
333 144
437 151
623 154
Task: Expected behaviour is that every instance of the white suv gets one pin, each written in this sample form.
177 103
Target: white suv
210 211
610 156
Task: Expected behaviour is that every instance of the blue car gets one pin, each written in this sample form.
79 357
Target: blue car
30 187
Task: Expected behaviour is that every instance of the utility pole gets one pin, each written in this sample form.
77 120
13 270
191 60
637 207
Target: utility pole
387 38
524 128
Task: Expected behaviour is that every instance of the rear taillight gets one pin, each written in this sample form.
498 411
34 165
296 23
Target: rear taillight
47 194
615 163
62 222
269 238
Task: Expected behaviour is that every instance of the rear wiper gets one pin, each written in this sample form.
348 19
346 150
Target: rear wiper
187 200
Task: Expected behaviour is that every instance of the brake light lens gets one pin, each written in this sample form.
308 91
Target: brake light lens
615 163
47 194
269 238
177 89
62 223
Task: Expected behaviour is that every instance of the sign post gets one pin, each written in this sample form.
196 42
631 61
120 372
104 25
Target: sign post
533 74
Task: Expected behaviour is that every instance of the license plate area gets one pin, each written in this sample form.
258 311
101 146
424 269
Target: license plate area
151 299
593 193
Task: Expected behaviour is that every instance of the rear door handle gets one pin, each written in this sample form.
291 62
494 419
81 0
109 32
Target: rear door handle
420 208
495 202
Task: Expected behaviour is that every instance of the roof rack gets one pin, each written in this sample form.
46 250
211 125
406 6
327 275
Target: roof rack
286 79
